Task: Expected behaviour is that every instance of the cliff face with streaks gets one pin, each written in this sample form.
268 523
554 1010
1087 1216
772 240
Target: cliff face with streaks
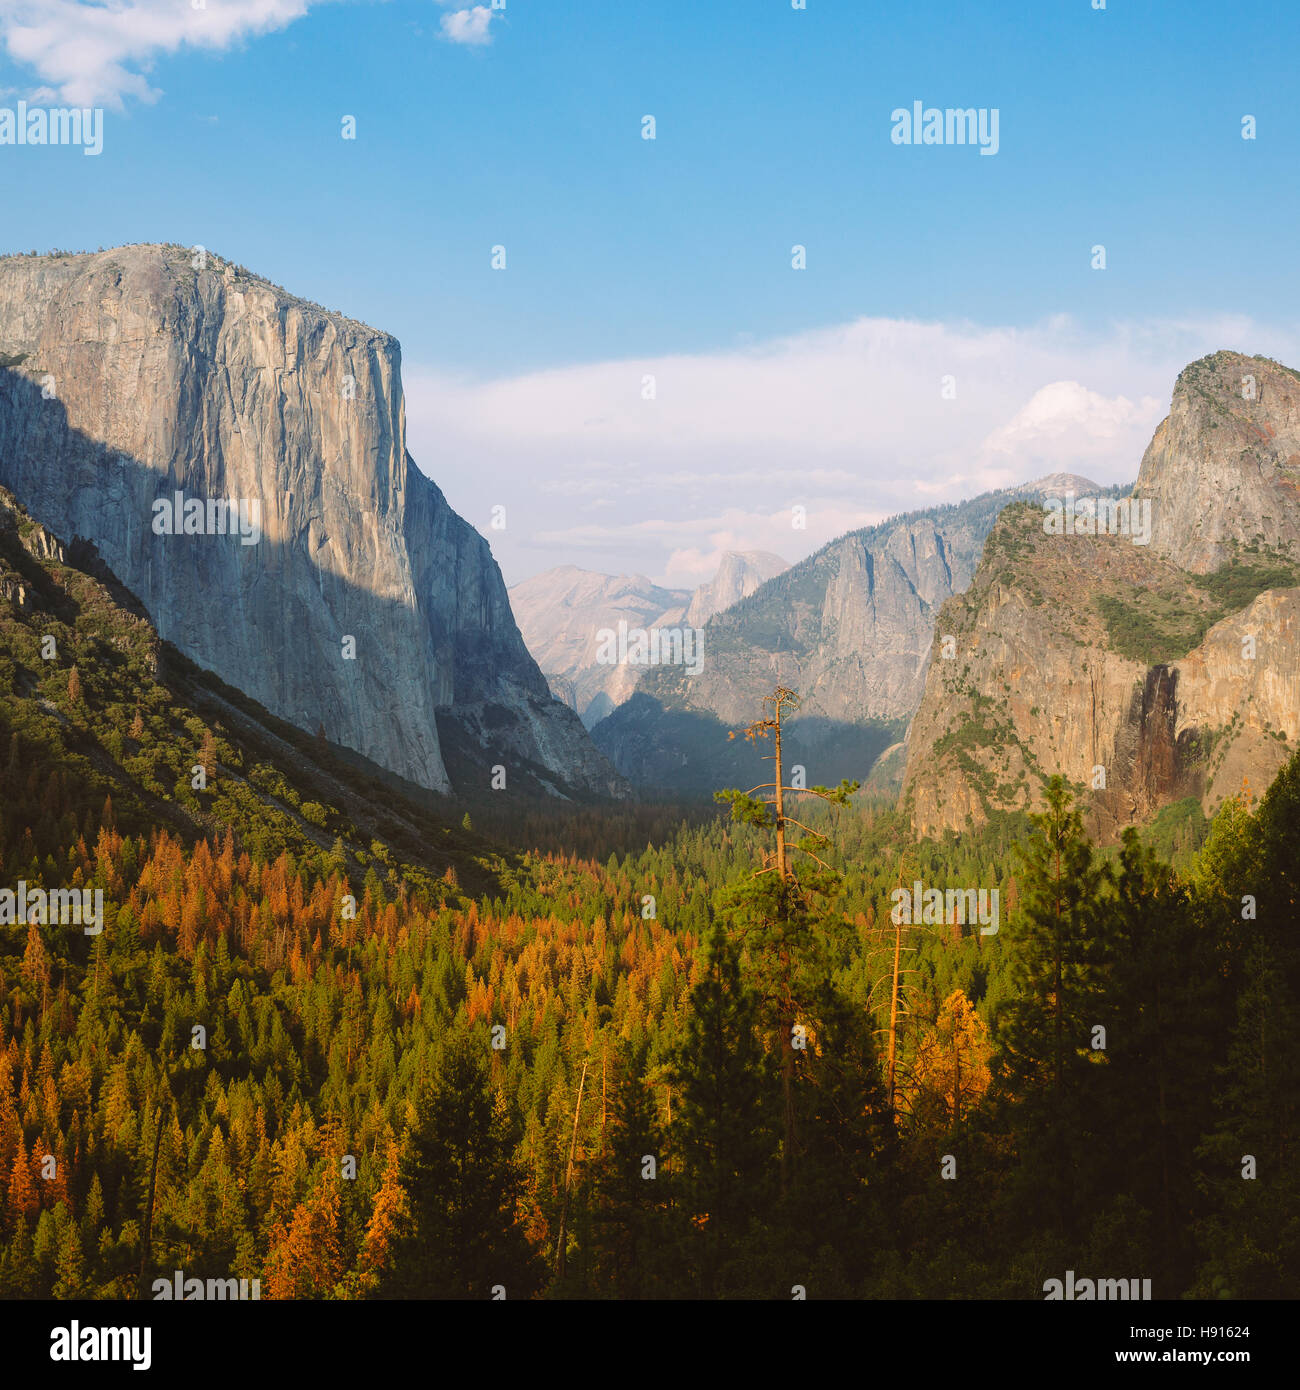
364 605
1142 673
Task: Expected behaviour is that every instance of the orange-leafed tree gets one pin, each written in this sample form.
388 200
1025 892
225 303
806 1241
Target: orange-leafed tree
305 1259
24 1200
950 1072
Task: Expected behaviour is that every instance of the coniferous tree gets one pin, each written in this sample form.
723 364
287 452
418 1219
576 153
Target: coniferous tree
1160 1019
1252 1237
631 1183
1059 948
461 1236
722 1129
773 915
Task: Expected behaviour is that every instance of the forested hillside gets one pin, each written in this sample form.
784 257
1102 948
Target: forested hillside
333 1044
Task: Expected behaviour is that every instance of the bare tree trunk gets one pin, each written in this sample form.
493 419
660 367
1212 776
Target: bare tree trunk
956 1088
148 1216
568 1176
780 804
893 1019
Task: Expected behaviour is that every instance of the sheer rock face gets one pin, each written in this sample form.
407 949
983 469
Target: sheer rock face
1223 470
129 375
1055 666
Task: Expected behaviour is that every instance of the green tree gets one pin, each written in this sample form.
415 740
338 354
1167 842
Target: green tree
773 916
1252 1238
462 1236
631 1182
721 1129
1059 949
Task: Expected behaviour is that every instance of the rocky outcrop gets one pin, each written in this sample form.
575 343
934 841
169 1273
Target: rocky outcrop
1223 470
356 600
1141 673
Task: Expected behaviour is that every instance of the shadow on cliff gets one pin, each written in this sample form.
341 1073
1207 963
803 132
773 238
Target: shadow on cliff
478 732
687 753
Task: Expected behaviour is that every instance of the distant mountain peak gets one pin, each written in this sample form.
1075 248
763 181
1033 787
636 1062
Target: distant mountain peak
740 573
1055 483
562 612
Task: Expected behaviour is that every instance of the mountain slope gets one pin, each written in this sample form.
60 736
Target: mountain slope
366 606
849 628
137 718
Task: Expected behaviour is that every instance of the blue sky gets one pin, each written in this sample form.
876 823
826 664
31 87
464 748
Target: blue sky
1120 127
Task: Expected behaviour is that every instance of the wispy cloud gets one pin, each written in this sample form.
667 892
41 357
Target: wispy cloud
97 54
851 424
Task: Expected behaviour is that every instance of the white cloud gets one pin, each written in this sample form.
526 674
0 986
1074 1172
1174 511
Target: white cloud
90 54
1065 417
847 422
468 26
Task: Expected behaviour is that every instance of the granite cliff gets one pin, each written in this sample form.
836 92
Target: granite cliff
1223 470
365 606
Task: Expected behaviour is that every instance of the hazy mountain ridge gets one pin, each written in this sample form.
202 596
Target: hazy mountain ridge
562 611
849 628
739 574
